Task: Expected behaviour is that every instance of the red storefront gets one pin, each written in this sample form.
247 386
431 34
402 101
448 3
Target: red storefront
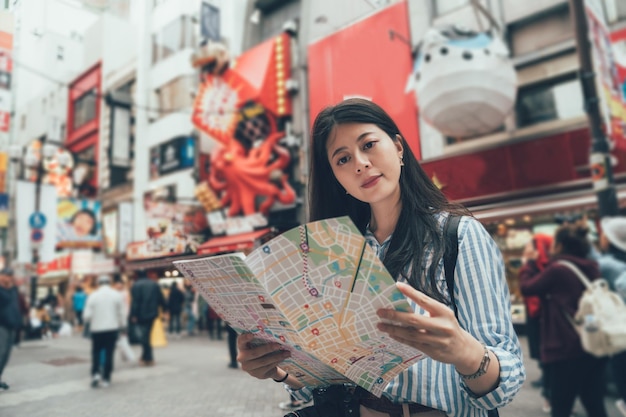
83 121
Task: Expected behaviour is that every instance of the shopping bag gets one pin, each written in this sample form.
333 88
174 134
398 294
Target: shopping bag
126 351
134 334
157 336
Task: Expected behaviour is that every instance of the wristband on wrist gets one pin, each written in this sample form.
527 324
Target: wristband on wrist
283 379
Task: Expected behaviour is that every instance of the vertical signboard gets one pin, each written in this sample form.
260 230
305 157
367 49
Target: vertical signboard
6 70
612 100
210 22
125 223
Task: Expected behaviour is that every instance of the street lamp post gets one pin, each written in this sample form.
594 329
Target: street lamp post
33 159
600 157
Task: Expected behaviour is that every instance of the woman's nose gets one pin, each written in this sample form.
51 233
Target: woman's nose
362 164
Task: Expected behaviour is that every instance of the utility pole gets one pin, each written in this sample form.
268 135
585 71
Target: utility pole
600 157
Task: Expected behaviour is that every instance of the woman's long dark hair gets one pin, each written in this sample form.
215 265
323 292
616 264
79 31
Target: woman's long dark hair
419 196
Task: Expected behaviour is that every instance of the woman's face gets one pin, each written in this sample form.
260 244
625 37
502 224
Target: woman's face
366 162
83 223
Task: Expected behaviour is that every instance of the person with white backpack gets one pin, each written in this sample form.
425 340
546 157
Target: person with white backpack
573 372
612 261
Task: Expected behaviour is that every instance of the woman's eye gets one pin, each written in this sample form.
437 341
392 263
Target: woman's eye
342 160
368 145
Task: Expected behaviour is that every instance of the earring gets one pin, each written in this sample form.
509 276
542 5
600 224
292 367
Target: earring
401 161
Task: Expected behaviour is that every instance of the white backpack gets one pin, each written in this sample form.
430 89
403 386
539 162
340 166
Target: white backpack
601 317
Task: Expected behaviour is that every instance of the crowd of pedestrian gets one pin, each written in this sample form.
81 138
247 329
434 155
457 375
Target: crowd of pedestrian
109 312
552 293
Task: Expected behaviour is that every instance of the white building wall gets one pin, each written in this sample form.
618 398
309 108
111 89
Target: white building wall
150 129
44 26
141 100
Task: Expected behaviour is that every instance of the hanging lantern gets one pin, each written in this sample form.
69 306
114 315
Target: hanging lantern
465 81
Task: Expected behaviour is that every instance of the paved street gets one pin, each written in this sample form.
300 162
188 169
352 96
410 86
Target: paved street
50 379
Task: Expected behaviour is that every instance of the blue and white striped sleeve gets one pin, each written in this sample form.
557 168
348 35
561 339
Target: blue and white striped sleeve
484 307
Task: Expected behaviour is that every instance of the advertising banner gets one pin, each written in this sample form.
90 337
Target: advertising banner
109 229
368 59
171 156
4 210
3 171
6 68
79 223
125 222
171 229
610 92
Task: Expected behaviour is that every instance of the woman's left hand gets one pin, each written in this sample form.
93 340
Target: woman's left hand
437 333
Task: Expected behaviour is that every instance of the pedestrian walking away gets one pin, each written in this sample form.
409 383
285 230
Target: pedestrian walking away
10 319
78 305
572 371
535 257
146 299
361 166
175 302
104 311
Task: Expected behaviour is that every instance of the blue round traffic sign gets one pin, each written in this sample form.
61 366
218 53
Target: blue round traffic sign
37 220
36 235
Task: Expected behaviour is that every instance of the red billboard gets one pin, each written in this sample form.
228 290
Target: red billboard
370 59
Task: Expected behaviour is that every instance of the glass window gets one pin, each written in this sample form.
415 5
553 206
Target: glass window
172 38
554 100
85 108
175 95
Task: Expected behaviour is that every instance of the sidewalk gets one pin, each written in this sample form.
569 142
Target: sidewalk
191 378
50 378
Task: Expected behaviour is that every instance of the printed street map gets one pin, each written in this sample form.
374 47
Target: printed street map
315 289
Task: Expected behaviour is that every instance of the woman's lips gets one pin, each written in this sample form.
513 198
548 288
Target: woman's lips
371 181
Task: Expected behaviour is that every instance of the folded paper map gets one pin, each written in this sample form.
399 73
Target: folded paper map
315 289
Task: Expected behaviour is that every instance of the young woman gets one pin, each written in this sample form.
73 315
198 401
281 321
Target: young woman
362 167
572 372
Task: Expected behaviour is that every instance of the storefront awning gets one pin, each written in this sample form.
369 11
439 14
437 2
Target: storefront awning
556 203
224 244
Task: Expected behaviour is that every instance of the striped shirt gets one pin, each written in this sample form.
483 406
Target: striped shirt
484 309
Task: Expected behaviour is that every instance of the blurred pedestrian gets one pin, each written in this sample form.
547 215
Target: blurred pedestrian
126 351
78 305
572 371
214 323
190 307
24 317
534 260
146 298
175 302
612 261
104 311
232 346
10 319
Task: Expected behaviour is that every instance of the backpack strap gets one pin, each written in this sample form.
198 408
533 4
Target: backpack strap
450 233
577 271
450 254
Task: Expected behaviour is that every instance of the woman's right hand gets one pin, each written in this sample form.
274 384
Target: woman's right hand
260 360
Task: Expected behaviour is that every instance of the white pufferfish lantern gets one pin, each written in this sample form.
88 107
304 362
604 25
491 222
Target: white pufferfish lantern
465 81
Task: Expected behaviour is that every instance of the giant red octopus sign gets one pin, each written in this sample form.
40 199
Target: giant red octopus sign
240 105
